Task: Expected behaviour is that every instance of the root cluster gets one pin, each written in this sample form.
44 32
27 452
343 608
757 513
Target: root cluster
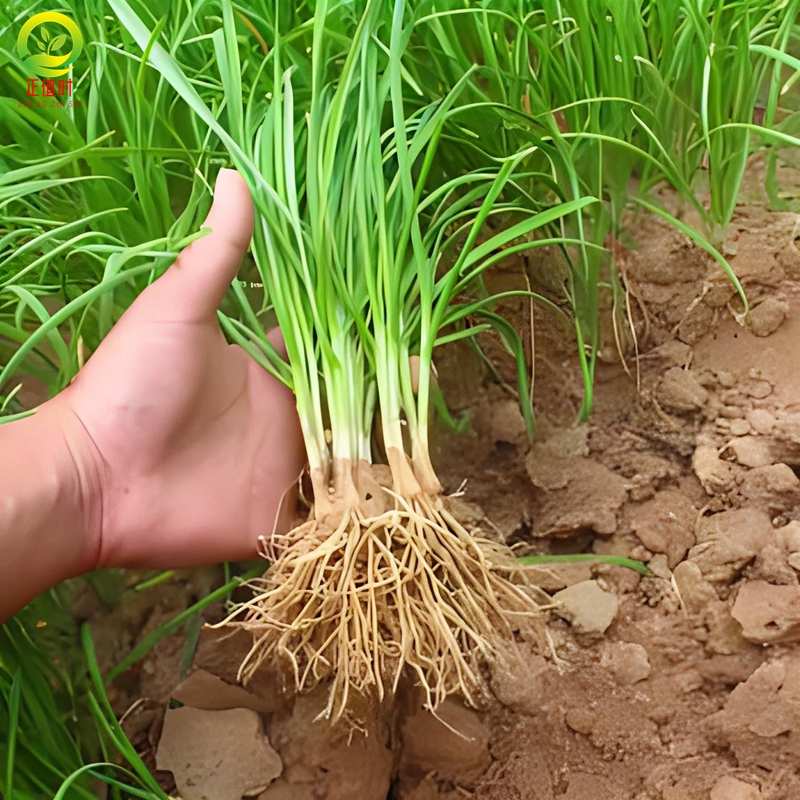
359 604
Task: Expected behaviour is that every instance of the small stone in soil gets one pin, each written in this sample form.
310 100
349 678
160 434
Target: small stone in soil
790 536
716 475
695 591
775 487
730 788
762 421
587 607
665 524
659 567
757 388
553 577
680 391
752 451
740 427
768 614
729 540
628 662
731 412
767 316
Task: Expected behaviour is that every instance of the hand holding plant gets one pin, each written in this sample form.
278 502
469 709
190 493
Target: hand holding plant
196 444
180 449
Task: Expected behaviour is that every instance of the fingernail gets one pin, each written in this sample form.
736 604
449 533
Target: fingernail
225 176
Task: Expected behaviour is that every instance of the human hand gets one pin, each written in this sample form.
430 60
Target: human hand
188 451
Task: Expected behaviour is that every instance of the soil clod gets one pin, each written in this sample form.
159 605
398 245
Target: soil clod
217 755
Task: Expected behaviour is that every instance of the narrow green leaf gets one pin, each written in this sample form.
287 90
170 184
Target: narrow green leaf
13 719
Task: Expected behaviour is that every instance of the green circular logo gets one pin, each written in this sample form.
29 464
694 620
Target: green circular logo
41 53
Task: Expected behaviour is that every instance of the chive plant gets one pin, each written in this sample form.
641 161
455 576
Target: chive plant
115 162
619 97
367 263
116 122
638 91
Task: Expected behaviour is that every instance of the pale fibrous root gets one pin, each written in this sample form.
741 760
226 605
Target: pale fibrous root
407 591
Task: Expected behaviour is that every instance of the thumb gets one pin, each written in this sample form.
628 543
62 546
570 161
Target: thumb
193 287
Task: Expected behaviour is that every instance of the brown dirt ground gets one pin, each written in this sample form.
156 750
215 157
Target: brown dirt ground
684 685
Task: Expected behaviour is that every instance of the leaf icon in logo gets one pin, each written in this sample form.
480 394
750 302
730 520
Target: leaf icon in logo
41 40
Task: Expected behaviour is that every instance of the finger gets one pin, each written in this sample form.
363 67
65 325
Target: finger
277 341
194 286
